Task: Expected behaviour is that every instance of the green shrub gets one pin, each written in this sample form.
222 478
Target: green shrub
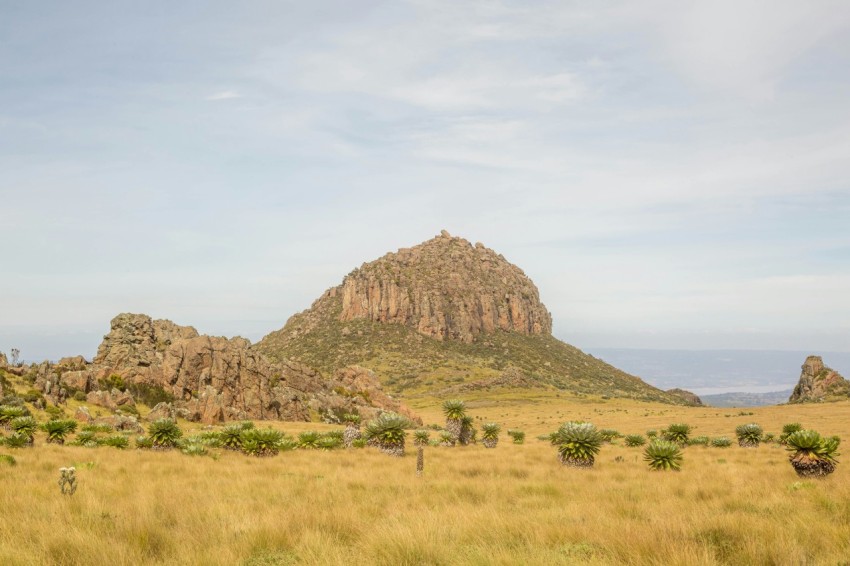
634 440
387 432
17 440
651 433
663 455
490 434
8 460
309 439
517 436
678 433
721 442
811 454
150 395
9 412
24 425
261 441
749 435
115 441
788 430
58 430
358 443
97 427
194 449
32 396
609 434
79 396
421 437
144 442
164 434
578 444
114 381
699 441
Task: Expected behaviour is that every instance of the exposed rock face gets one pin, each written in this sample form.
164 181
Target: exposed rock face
819 383
212 379
690 398
4 361
364 383
445 288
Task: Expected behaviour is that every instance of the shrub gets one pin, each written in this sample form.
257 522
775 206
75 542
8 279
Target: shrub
194 449
57 430
6 459
651 433
79 396
144 442
768 438
24 425
150 395
115 441
578 444
387 432
446 439
517 436
788 430
330 440
721 442
634 440
261 441
17 440
231 437
309 439
97 427
490 434
454 410
663 455
811 454
699 441
421 437
32 396
164 433
609 434
358 443
9 412
749 435
677 433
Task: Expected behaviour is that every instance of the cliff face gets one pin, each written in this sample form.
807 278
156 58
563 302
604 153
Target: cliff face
689 397
445 288
819 383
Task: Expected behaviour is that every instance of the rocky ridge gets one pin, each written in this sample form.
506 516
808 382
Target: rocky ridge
689 397
819 383
206 378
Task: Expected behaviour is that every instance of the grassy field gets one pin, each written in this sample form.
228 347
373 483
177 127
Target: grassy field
514 504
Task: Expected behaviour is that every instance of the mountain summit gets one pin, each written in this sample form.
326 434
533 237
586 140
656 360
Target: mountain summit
444 317
446 288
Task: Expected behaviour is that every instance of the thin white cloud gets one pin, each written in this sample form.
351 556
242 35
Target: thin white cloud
224 95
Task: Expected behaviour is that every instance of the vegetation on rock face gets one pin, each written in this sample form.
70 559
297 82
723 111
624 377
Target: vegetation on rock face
578 444
663 455
749 435
811 454
387 432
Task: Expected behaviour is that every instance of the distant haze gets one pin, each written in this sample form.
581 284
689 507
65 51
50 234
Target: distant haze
671 175
719 371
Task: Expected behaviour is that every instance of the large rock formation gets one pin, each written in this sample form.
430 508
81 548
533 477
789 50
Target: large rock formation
440 314
689 398
819 383
445 288
209 378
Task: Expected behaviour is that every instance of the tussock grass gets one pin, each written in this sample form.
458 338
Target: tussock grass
515 504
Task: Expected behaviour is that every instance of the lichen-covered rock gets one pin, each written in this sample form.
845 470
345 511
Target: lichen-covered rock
112 400
690 398
819 383
445 288
72 363
83 415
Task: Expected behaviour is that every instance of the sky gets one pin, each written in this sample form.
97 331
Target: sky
672 175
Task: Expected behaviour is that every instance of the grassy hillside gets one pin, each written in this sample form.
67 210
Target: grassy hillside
410 364
514 504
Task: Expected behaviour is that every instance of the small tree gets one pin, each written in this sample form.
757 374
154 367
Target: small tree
490 434
455 410
16 355
387 432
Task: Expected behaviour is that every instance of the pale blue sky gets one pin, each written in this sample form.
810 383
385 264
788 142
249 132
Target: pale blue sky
670 174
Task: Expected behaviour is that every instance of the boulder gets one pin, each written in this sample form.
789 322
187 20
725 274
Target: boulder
112 400
690 398
72 363
82 415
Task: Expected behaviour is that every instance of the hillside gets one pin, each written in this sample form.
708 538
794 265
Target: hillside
445 317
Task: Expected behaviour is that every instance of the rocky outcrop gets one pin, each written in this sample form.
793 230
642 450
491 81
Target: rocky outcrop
363 383
690 398
819 383
210 378
445 288
4 361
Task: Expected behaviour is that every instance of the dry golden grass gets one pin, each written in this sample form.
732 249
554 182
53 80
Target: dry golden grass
511 505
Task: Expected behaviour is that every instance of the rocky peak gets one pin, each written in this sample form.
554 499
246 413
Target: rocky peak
445 288
818 383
